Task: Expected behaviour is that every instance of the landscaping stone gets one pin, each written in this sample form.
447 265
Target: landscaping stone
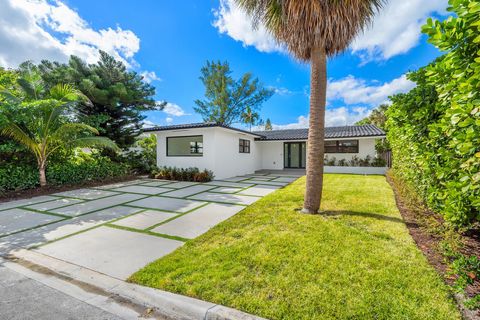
198 221
25 202
114 252
226 189
45 206
145 219
14 220
86 194
167 204
181 184
94 205
229 184
228 198
259 190
64 228
143 189
188 191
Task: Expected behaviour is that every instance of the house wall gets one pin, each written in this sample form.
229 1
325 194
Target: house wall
220 152
272 152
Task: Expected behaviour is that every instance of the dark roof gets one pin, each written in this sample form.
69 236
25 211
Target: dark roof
197 125
367 130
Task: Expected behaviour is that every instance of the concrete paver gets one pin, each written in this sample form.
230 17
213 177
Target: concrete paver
114 252
14 220
143 189
25 202
199 221
259 190
188 191
45 206
145 219
167 204
228 198
86 194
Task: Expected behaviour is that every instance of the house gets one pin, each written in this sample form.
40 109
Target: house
229 151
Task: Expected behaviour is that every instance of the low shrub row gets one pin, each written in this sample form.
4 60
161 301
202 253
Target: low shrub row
14 177
182 174
355 162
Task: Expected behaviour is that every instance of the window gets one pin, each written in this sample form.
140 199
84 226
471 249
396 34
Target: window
185 146
244 146
341 146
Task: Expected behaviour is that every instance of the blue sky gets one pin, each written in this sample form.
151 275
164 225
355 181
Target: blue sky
169 41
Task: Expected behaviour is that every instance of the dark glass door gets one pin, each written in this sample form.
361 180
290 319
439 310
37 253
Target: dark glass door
294 154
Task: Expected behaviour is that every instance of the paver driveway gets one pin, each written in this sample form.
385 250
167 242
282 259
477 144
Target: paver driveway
117 229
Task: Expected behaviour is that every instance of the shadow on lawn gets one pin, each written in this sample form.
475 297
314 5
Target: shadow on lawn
364 214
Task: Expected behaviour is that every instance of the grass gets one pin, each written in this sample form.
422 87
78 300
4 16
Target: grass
356 261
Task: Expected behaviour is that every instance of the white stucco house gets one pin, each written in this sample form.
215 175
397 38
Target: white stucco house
229 151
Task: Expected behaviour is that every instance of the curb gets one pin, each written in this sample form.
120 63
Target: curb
156 303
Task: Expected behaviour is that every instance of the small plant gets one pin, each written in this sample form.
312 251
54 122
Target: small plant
473 303
182 174
467 270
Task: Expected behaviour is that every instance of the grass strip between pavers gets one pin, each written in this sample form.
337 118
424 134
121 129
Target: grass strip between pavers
354 261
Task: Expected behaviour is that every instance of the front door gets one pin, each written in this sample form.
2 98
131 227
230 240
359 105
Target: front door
294 155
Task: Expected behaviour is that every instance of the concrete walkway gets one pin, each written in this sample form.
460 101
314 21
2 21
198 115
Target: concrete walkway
114 230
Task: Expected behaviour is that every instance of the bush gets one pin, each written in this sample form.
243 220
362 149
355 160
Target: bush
14 177
355 162
434 130
143 157
181 174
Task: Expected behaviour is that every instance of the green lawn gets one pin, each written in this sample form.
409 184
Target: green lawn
355 262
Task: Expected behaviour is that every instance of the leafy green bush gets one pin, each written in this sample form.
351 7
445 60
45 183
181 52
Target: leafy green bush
434 130
143 157
182 174
83 168
355 162
467 270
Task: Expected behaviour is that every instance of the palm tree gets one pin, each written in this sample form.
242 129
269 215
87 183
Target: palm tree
250 117
313 30
39 121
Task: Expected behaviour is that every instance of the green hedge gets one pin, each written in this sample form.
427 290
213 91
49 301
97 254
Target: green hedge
434 130
20 177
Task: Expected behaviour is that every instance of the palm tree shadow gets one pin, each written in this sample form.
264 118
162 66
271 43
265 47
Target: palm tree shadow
364 214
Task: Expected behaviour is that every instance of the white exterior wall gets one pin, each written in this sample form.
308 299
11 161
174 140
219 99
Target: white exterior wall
272 152
220 152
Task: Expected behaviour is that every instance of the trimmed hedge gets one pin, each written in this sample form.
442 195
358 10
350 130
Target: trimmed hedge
434 130
21 177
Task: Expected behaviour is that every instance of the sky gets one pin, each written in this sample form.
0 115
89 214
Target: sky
169 41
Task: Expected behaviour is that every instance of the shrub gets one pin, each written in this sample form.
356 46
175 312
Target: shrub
14 177
182 174
434 130
356 162
143 157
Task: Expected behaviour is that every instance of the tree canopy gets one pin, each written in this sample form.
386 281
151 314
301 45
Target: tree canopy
377 117
117 97
226 99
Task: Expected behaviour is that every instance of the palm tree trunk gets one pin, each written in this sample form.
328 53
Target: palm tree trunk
43 177
316 132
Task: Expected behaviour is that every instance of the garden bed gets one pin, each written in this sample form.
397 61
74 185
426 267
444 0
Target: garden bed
357 260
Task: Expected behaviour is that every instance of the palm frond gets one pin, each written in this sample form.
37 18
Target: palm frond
64 93
13 131
302 25
72 129
96 142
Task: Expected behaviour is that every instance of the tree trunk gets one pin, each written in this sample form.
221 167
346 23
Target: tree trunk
43 177
316 132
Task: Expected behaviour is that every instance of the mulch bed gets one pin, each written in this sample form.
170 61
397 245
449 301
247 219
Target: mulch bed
49 189
429 244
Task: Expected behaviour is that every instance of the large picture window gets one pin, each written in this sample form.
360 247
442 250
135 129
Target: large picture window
185 146
341 146
244 146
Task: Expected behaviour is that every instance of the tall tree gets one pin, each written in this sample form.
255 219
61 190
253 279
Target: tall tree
117 96
312 30
268 125
377 117
250 117
39 119
227 98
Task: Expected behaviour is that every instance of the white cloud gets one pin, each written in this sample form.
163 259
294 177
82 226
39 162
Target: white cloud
234 22
148 124
396 29
352 90
174 110
149 76
168 120
40 29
